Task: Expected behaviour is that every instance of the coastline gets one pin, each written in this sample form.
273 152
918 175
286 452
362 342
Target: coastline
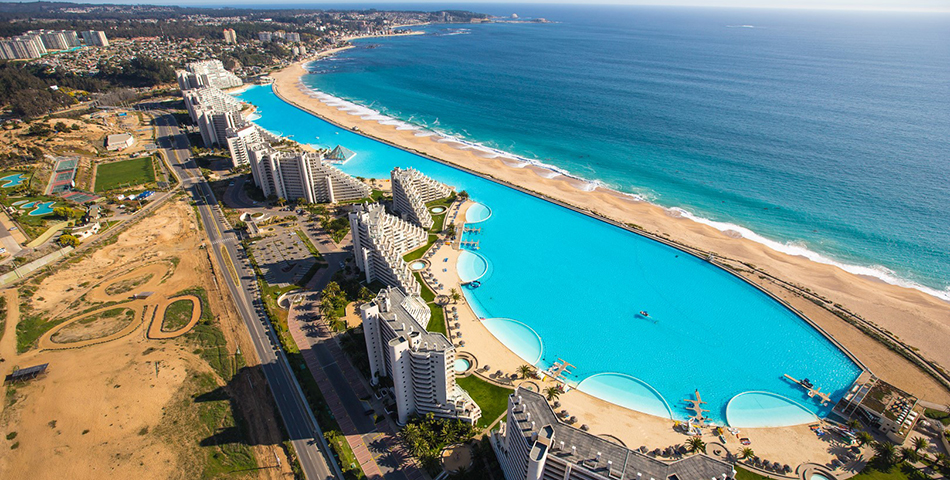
914 316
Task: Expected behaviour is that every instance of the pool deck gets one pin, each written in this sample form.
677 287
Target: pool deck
795 445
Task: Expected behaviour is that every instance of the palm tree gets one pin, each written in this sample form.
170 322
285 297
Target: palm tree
526 371
854 424
920 443
747 453
909 455
696 444
455 295
552 393
886 453
864 438
940 458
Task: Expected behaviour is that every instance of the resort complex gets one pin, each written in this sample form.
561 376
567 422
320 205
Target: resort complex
534 444
411 191
379 242
208 73
418 364
215 112
294 175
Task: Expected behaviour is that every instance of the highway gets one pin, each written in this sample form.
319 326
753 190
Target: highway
307 437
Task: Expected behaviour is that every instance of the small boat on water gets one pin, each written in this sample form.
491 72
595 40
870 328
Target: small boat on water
807 383
643 313
476 284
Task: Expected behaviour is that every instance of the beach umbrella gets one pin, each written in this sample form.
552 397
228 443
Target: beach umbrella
786 468
462 343
644 449
584 427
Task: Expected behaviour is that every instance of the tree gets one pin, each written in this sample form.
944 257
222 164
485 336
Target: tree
864 438
940 458
68 240
854 424
696 444
526 371
920 443
455 295
60 127
552 393
747 453
365 295
909 455
886 453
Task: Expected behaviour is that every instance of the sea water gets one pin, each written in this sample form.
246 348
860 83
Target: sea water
823 134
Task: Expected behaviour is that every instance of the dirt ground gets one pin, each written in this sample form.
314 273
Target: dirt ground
125 405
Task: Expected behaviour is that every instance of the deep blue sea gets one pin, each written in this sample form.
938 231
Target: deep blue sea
825 134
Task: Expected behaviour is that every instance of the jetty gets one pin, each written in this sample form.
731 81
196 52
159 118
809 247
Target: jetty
812 390
559 369
698 411
470 244
472 230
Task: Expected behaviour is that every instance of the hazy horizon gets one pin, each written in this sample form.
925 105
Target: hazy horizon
936 6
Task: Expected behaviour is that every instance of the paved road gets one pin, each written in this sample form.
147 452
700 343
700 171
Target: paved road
305 433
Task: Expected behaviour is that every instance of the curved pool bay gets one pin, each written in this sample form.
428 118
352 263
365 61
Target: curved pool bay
578 284
471 266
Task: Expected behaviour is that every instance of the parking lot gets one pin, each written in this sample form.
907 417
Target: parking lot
283 257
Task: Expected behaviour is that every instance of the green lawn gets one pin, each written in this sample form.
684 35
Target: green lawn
419 252
437 320
938 415
872 473
743 474
492 399
126 173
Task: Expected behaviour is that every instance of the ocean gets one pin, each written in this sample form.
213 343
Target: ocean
822 134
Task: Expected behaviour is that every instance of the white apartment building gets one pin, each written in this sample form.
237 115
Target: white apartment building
380 240
54 40
96 38
241 141
411 191
292 175
230 36
534 444
420 364
23 47
215 112
208 73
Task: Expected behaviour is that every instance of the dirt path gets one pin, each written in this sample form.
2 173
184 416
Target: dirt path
158 271
155 331
8 342
139 307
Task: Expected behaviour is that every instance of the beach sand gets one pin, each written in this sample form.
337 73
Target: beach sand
918 319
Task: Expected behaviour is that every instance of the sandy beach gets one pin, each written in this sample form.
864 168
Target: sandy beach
918 319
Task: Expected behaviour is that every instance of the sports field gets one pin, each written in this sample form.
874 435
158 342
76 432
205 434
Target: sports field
126 173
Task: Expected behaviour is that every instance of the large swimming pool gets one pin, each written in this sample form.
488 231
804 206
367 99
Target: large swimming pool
558 284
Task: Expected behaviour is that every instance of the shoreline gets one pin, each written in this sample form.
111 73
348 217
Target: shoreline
898 309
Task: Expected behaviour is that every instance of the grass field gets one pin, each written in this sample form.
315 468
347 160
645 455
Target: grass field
126 173
492 399
177 315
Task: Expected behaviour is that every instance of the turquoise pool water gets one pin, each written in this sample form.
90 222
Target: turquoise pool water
818 476
12 180
477 213
461 365
40 209
417 265
518 337
471 266
560 284
438 209
764 409
627 391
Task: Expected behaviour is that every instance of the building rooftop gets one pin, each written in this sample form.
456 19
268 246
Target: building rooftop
405 313
603 456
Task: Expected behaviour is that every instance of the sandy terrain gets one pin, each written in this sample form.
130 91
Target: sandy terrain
917 318
122 406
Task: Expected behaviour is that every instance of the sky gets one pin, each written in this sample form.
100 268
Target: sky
884 5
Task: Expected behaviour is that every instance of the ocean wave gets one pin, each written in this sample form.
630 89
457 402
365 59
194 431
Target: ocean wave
550 171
